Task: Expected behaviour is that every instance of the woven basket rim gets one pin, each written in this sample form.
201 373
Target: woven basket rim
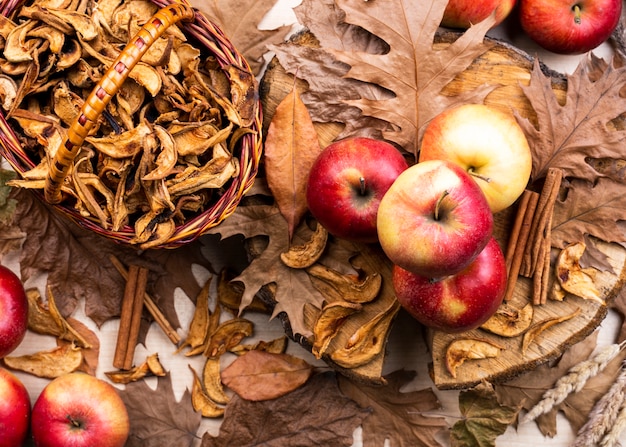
212 39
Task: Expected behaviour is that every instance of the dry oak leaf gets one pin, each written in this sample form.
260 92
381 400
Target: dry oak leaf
590 209
411 73
240 21
316 414
399 417
484 419
156 418
291 147
293 286
260 375
566 136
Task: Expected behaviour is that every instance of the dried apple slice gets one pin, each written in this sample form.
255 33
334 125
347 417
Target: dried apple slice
572 277
509 321
201 402
328 323
469 349
544 325
339 287
307 254
213 381
50 364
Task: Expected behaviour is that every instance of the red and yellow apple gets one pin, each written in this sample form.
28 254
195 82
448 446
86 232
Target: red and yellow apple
455 303
464 13
14 410
13 311
488 143
79 410
346 183
434 219
569 26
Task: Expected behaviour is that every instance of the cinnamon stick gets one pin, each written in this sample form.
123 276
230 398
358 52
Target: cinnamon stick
519 239
126 316
541 221
514 237
135 322
151 306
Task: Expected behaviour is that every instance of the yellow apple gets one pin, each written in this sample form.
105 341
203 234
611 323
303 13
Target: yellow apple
488 143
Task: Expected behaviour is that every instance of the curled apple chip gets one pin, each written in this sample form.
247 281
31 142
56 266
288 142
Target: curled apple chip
150 367
228 335
328 323
199 325
47 320
275 346
538 328
509 321
307 254
213 382
572 277
336 286
200 400
469 349
367 341
50 364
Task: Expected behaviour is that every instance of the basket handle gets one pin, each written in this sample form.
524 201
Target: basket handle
107 87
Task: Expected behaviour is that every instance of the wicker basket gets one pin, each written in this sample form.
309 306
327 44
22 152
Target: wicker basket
210 39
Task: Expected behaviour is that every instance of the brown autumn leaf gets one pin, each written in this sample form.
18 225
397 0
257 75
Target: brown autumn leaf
590 209
397 416
240 21
315 414
156 418
484 419
261 375
291 147
381 73
78 267
566 136
293 286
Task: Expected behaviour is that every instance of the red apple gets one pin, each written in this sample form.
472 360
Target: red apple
13 311
486 142
464 13
434 219
569 26
346 183
459 302
79 410
14 410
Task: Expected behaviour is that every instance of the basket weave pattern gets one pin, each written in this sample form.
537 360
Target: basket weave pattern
246 148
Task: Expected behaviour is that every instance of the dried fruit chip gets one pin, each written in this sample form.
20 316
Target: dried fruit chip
328 323
307 254
572 277
336 286
368 340
151 367
461 350
275 346
228 335
50 364
538 328
509 321
197 333
201 402
213 382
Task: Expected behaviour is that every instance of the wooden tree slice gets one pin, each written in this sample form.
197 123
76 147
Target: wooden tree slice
508 68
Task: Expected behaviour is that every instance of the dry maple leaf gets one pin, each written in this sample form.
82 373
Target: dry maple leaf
291 147
483 418
590 209
399 88
566 136
397 416
156 418
240 22
315 414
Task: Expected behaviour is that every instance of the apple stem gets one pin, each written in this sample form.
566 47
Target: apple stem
74 422
478 176
438 204
362 183
577 19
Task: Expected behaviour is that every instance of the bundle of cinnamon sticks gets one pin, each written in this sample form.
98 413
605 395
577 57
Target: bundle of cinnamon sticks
529 245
